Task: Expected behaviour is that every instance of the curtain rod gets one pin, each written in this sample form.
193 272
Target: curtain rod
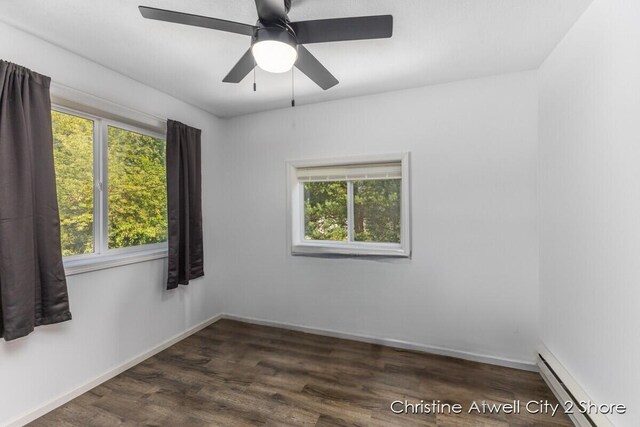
62 87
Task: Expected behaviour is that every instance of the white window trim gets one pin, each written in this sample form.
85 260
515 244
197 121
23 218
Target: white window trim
103 257
295 212
93 262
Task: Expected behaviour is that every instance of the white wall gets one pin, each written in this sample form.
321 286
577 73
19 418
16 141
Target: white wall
590 203
472 283
120 312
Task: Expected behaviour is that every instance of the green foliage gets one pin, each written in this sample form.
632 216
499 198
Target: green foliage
325 210
377 210
73 159
137 189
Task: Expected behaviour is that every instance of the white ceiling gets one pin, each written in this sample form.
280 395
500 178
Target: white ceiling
434 41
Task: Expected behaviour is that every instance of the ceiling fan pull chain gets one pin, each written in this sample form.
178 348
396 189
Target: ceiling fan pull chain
255 87
293 94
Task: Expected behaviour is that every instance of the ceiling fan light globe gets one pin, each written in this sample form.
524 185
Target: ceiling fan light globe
274 56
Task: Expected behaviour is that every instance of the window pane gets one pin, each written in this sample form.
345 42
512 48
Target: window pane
73 158
325 210
137 189
377 210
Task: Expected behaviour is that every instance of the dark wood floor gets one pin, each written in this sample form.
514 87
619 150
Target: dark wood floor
236 374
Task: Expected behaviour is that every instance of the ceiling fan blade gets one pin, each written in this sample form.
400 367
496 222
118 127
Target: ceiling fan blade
196 20
241 69
341 29
308 64
271 10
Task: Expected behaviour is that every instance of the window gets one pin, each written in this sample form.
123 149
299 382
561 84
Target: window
350 207
111 185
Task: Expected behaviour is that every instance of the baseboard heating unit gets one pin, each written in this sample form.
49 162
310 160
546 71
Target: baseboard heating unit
566 389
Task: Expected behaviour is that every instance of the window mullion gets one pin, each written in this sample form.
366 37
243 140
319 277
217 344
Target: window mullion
104 199
97 190
350 208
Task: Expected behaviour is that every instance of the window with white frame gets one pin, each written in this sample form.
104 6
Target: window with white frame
357 206
111 187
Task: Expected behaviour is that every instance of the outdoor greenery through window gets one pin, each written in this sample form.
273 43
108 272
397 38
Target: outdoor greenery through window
325 211
73 155
347 208
376 207
116 201
137 189
377 210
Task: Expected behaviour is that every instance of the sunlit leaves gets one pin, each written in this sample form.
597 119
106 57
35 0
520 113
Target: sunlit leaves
376 210
137 189
73 155
325 207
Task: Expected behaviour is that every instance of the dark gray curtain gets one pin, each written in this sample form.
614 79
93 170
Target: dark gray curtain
184 198
33 287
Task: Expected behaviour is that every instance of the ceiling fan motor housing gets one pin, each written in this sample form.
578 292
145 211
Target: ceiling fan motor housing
279 34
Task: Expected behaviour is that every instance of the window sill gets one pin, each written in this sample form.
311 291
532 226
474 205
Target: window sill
362 249
102 262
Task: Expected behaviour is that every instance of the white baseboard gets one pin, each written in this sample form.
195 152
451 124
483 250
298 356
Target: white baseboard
72 394
389 342
565 388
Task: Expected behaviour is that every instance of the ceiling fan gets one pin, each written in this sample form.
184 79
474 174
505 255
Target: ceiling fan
277 43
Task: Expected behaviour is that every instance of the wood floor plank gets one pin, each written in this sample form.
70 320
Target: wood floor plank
239 374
